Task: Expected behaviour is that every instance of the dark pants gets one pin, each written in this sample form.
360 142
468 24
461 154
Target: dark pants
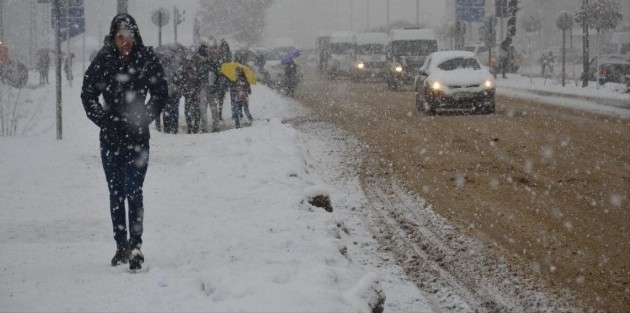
192 112
43 77
125 167
171 116
221 98
158 121
238 107
291 84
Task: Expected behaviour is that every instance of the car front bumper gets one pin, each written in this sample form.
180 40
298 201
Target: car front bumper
462 99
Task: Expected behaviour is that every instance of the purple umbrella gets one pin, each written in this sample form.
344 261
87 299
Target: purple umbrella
292 54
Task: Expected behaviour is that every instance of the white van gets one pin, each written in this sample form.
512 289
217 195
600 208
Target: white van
370 58
406 51
342 53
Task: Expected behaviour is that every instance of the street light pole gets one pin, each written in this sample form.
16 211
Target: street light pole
367 5
388 14
122 7
57 13
1 23
351 15
418 12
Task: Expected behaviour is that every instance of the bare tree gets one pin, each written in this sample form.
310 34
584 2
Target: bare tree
244 20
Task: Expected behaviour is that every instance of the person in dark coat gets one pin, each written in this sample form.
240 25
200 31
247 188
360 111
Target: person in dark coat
43 66
225 56
290 77
211 88
172 71
239 95
504 56
124 73
193 73
226 53
67 68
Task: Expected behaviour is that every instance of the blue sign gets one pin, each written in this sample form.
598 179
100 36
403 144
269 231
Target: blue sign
470 10
71 19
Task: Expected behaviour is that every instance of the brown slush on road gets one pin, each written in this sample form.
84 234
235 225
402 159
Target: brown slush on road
548 185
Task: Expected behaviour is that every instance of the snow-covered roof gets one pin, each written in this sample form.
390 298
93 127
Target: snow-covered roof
411 34
342 36
367 38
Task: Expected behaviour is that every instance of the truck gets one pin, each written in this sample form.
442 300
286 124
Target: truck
405 52
322 48
342 53
370 60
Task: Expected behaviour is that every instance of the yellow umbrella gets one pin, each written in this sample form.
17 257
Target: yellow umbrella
229 70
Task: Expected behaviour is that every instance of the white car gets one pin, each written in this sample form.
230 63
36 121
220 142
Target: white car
454 80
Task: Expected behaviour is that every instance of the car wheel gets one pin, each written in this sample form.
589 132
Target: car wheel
397 84
429 107
391 83
419 103
490 106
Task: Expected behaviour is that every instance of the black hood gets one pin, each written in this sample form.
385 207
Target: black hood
124 20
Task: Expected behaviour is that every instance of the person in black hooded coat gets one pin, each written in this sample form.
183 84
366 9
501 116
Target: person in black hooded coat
125 72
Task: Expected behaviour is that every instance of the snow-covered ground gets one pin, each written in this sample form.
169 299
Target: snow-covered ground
227 227
226 224
610 98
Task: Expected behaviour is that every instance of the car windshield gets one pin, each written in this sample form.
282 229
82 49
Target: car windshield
341 47
414 47
370 49
457 63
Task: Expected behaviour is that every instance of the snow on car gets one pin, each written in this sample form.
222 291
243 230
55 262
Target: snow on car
370 55
454 80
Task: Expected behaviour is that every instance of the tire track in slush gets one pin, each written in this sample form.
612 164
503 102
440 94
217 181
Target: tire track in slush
452 269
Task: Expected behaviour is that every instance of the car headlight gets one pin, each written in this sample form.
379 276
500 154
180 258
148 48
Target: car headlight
399 69
488 84
436 85
360 65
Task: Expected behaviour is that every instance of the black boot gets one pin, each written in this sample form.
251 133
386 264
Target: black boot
121 257
135 259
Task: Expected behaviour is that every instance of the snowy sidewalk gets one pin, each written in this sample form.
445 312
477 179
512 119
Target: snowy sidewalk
226 225
609 98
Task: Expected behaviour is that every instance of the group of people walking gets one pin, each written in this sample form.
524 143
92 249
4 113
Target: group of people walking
123 74
204 86
43 67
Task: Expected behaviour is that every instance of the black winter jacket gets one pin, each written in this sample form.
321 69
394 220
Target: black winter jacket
125 115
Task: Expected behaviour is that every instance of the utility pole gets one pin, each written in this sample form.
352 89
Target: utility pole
387 14
68 26
418 13
351 15
1 23
31 32
585 51
367 5
161 19
57 13
178 18
122 6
